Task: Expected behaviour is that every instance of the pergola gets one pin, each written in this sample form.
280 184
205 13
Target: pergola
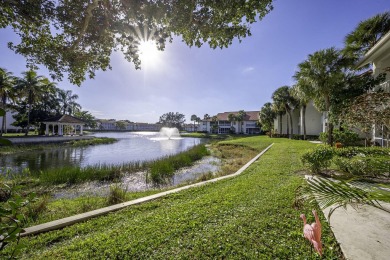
61 121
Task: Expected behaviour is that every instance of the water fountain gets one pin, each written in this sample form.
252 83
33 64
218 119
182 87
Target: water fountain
169 132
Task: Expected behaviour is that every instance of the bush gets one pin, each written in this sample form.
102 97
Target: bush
346 137
117 194
12 219
318 158
350 152
364 166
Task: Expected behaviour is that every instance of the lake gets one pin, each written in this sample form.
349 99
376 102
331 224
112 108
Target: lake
130 147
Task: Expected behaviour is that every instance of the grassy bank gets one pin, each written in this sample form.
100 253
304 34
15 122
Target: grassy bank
4 150
247 217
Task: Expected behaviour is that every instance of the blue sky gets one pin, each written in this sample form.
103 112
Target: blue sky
203 80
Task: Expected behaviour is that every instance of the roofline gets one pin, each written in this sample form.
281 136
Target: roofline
371 52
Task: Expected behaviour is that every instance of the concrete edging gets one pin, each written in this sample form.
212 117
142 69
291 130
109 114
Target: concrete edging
60 223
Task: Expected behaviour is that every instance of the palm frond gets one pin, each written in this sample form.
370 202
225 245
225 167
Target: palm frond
336 194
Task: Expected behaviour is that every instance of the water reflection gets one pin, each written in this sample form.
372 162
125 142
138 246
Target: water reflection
134 146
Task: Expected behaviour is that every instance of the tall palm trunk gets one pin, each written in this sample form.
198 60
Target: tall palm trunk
28 113
304 121
330 124
4 123
288 110
281 123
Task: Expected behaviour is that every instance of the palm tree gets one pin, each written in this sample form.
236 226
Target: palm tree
366 35
7 90
206 117
194 118
266 117
67 101
283 98
232 119
323 71
240 118
303 94
32 87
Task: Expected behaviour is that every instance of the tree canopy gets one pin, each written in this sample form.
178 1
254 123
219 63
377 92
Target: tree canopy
78 37
172 119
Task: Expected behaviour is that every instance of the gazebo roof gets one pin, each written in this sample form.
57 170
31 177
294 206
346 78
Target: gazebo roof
65 119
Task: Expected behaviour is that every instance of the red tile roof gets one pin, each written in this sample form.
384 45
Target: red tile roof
250 116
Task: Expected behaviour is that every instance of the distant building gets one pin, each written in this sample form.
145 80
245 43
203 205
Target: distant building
220 124
126 125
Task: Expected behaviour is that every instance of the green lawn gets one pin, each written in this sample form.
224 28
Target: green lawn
247 217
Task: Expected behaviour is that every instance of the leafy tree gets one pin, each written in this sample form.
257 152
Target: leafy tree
206 117
267 116
121 125
7 90
370 109
324 71
172 119
78 37
87 117
366 35
283 98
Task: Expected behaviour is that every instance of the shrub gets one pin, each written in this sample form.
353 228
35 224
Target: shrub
364 166
12 219
346 137
318 158
117 194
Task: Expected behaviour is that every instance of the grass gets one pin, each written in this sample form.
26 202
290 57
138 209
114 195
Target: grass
247 217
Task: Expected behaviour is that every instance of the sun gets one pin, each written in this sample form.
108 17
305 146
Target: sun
148 52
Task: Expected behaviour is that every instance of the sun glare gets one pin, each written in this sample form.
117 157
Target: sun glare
148 52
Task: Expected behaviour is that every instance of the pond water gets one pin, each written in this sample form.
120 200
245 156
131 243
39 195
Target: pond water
130 147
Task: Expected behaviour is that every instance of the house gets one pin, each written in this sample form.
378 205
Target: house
220 124
315 122
379 57
106 124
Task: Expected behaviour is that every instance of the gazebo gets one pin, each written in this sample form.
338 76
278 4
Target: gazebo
61 121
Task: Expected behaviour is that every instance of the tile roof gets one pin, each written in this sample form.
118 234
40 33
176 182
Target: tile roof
250 116
65 119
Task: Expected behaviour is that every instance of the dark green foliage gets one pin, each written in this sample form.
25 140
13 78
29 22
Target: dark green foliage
366 151
172 119
335 194
345 137
11 218
318 158
78 37
364 166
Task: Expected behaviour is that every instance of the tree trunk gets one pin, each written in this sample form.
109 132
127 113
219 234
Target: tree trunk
291 123
304 121
281 124
330 124
287 125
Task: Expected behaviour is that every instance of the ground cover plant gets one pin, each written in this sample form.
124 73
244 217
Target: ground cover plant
246 217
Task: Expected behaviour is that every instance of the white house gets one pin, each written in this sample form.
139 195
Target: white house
222 125
379 57
315 122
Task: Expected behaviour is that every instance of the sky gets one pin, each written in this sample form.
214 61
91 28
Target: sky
206 81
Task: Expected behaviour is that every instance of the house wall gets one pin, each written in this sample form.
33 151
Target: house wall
313 118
